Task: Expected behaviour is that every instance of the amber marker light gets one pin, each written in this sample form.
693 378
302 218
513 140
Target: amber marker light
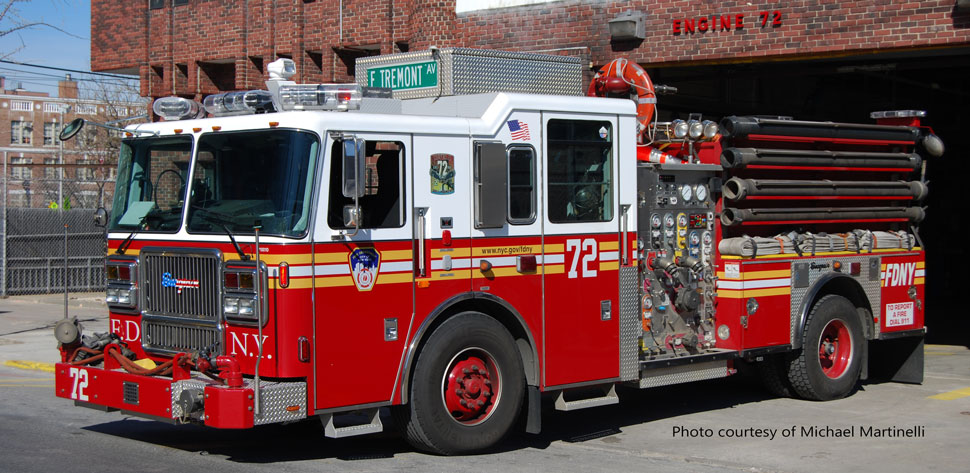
837 265
177 130
274 124
197 129
216 128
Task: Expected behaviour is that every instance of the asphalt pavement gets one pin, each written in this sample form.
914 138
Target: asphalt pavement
711 426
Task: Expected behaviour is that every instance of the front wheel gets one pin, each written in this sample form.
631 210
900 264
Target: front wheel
830 361
467 387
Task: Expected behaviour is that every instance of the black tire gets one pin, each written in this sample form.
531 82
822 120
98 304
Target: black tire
428 423
773 371
834 318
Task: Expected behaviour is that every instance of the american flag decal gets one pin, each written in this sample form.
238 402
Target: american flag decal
519 130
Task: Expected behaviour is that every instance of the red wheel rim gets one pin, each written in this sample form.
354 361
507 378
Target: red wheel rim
471 387
835 349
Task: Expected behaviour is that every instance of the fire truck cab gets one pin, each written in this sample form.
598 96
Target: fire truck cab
322 250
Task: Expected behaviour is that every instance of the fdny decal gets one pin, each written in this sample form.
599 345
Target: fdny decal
899 274
179 284
247 344
364 265
442 174
899 314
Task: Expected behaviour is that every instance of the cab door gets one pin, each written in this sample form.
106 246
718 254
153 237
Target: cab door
581 235
363 276
507 222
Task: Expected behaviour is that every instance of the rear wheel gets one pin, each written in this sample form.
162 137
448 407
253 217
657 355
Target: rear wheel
830 361
467 387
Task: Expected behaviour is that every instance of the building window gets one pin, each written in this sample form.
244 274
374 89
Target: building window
21 106
84 170
52 107
180 2
51 170
50 133
20 132
18 170
522 185
87 109
579 171
156 4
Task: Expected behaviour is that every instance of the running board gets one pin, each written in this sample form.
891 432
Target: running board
608 397
372 427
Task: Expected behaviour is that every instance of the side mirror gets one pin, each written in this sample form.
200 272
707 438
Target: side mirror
101 217
354 167
352 214
71 129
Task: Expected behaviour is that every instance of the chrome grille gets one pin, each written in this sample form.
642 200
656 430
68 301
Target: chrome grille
178 337
185 284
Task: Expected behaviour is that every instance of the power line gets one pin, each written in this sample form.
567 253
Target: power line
104 74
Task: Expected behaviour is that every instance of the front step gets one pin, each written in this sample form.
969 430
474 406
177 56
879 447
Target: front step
372 427
609 397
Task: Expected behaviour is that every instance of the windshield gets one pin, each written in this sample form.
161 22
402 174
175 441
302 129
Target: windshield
151 184
245 178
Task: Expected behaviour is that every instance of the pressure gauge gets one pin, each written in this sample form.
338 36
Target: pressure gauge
707 239
682 221
655 221
686 193
701 192
694 239
669 220
647 302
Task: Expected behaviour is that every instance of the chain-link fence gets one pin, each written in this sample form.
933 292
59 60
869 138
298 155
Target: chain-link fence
36 214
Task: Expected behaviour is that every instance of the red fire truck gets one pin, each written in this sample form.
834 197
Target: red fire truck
464 230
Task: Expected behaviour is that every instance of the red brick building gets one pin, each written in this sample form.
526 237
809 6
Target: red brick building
40 170
810 59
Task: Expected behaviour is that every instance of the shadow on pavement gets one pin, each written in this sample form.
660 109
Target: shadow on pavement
305 440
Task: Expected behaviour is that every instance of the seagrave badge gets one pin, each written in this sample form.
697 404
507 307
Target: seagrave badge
364 266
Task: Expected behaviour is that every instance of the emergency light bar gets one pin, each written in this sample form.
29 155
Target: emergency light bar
898 114
320 96
176 108
237 103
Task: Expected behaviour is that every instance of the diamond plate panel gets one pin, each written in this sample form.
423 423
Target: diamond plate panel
630 326
464 71
684 374
178 387
276 397
871 287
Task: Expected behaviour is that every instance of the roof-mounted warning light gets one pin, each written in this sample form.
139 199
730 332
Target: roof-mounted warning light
177 108
320 96
898 117
239 103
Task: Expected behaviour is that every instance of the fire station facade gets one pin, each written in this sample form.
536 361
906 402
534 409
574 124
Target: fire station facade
807 59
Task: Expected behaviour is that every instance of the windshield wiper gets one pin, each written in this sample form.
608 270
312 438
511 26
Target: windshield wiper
127 241
243 256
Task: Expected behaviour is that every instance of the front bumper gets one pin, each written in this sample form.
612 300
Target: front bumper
157 397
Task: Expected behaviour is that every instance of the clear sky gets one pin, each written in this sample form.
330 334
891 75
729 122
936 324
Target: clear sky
46 46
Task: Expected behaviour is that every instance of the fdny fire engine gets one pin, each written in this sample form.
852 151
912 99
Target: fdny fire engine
465 230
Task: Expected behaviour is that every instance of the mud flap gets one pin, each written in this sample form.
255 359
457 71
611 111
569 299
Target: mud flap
899 359
533 424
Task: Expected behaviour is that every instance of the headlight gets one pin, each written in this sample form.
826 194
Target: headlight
111 296
710 129
695 129
680 128
230 305
246 307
